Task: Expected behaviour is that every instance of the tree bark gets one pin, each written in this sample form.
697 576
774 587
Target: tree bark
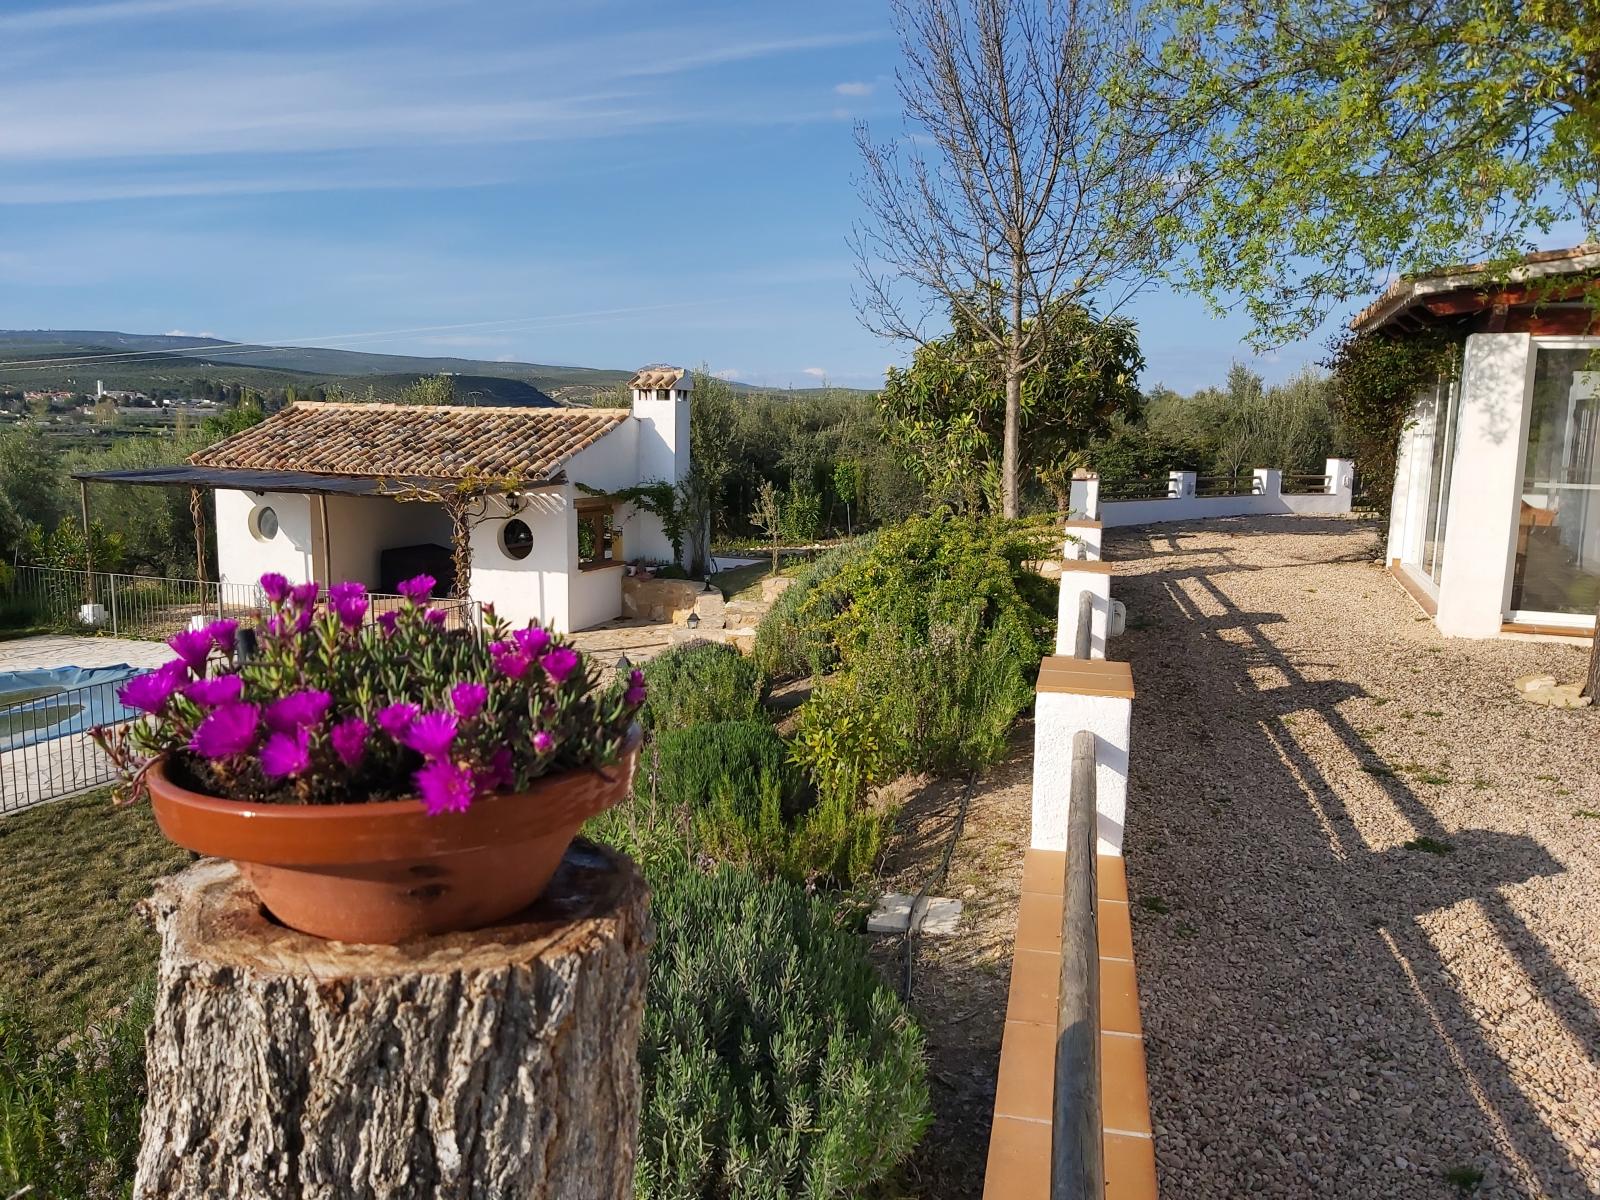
495 1064
1010 505
1592 686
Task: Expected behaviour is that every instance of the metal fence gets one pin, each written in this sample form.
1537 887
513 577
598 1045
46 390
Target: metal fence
45 750
156 607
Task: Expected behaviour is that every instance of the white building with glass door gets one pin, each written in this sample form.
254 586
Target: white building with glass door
1495 525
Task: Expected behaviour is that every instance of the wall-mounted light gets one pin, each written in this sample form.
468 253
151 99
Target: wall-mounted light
516 502
694 621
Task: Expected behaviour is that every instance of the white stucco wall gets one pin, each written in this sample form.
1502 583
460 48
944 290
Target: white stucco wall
243 558
596 596
1480 542
533 588
1076 578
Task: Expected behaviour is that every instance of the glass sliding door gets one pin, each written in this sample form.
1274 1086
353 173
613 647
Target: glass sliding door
1447 407
1558 525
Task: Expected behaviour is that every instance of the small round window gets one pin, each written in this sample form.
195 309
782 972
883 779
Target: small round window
516 539
264 523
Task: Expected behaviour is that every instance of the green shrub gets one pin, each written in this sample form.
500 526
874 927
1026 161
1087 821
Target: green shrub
790 642
69 1112
937 630
775 1063
698 683
730 792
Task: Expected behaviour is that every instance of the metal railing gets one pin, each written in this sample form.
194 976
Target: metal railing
1141 487
1227 485
1077 1166
1307 484
154 607
45 750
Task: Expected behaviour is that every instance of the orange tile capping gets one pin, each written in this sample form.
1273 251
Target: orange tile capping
1096 566
1019 1142
1080 524
1085 676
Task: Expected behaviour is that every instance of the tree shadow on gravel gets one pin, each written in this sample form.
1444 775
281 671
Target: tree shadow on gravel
1322 897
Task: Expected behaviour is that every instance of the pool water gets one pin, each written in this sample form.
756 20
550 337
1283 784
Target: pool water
36 706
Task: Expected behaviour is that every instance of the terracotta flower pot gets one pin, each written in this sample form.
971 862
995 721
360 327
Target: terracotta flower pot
387 871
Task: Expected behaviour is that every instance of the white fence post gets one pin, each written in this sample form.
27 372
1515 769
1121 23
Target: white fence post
1083 541
1084 497
1078 576
1074 695
1266 481
1341 473
1180 484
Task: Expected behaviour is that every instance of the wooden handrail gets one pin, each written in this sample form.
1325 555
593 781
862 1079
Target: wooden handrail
1077 1164
1081 640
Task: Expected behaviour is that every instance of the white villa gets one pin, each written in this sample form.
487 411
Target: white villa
1495 526
381 492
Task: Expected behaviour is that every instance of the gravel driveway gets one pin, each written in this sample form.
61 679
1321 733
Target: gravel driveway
1329 1011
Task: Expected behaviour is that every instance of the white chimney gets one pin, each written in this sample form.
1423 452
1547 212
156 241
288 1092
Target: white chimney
661 411
99 389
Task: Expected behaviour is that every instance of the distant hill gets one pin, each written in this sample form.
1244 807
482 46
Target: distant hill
142 361
145 361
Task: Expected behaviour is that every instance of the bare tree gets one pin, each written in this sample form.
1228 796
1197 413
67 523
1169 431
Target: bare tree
1030 178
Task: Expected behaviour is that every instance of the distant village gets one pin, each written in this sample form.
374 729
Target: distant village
72 405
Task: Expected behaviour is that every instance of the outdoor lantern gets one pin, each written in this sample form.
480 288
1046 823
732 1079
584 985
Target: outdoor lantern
623 664
694 621
708 584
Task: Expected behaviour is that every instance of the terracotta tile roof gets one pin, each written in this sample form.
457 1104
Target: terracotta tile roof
414 441
655 378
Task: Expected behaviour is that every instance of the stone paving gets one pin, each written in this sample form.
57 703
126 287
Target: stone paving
54 650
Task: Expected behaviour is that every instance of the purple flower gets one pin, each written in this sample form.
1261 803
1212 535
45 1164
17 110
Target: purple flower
417 589
347 590
286 754
435 617
349 738
227 730
208 693
513 664
222 634
397 718
468 699
193 646
351 610
560 663
532 640
297 710
445 787
275 586
432 734
636 692
542 742
304 595
150 693
386 622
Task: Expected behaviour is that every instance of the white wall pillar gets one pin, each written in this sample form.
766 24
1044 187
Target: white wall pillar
1480 534
1072 696
1181 484
1084 540
1341 473
1077 577
1084 497
1266 481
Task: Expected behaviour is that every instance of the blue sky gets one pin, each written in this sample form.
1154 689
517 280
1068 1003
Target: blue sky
596 182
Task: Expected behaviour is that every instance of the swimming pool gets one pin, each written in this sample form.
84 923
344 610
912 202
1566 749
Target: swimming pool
36 706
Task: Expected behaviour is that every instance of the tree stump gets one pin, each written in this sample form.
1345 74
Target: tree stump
496 1064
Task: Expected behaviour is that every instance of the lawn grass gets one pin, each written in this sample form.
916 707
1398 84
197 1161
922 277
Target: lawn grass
70 944
739 583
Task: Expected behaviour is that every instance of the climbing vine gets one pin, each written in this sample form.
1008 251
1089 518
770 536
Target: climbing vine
1376 378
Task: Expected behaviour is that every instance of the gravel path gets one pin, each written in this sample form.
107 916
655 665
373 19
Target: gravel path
1328 1011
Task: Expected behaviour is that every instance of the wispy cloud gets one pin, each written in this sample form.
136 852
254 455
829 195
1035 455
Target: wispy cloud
69 16
188 333
816 372
743 51
855 88
728 373
80 191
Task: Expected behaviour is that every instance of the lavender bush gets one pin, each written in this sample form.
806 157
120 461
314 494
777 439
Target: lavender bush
331 708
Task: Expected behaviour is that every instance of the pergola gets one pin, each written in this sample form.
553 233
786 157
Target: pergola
200 479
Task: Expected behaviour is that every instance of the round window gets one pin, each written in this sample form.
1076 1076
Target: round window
516 539
264 523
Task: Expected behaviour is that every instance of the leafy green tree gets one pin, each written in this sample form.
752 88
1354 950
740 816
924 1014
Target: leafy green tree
437 390
32 478
1337 143
945 414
